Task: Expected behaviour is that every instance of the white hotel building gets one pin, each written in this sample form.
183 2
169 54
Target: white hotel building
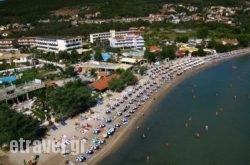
56 44
112 33
129 41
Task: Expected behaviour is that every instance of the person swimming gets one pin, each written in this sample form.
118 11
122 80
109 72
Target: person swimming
166 145
147 158
206 127
186 124
197 135
143 135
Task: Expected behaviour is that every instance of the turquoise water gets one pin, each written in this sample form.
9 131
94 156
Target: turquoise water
8 79
227 141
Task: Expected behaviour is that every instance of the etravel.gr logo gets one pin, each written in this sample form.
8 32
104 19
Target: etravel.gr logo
47 146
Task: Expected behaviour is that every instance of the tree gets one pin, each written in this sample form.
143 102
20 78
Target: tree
212 43
74 55
202 32
182 39
116 84
199 52
142 69
85 57
63 55
98 57
168 52
41 95
149 56
14 126
93 72
70 71
71 99
128 77
243 40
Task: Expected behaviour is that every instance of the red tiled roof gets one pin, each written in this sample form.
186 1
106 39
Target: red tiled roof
153 49
103 83
180 53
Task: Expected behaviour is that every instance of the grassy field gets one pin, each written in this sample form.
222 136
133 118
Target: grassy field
155 36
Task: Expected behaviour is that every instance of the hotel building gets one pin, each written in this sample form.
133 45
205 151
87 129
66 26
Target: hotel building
112 33
26 41
56 44
7 44
129 41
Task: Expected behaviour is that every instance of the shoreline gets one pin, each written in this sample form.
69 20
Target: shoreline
120 137
146 108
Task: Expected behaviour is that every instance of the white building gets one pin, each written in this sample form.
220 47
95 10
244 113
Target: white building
133 61
26 41
16 58
129 41
56 44
112 33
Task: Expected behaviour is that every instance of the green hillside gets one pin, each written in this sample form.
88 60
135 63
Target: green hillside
30 10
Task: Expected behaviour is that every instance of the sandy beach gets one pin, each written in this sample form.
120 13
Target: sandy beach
146 109
120 136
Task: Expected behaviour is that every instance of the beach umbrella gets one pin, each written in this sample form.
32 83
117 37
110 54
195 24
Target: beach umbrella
105 135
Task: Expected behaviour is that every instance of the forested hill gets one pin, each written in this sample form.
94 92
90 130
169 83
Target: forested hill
30 10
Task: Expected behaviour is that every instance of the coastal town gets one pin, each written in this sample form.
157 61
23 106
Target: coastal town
94 87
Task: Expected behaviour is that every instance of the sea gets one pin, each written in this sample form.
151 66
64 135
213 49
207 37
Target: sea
219 98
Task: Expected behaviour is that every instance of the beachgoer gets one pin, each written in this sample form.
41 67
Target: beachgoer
167 145
197 134
206 127
143 135
216 113
147 157
186 124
